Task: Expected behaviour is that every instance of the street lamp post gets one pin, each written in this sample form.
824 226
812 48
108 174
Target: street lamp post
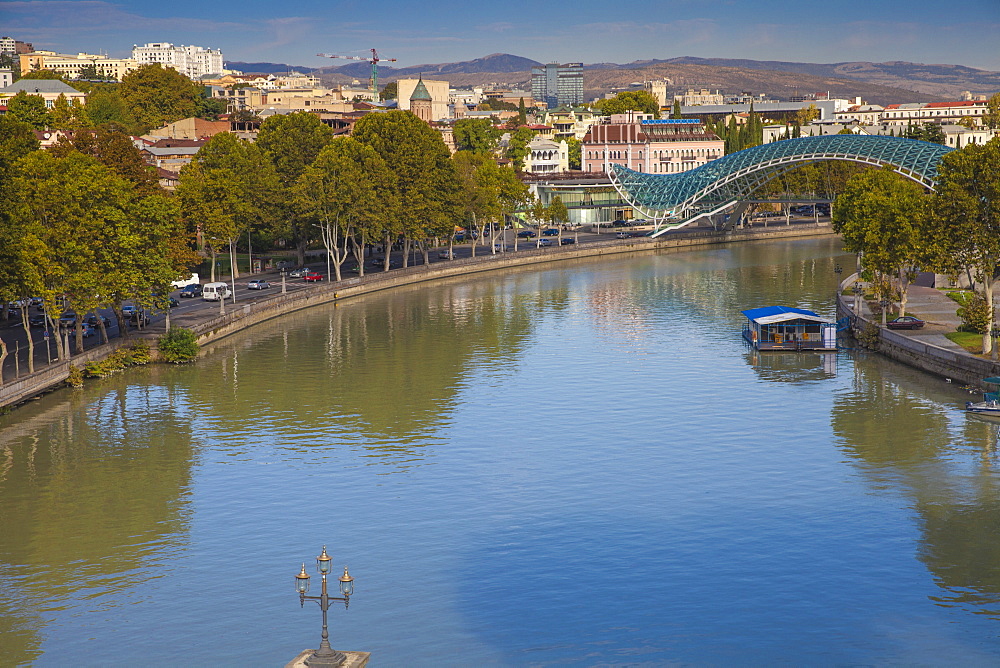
283 272
325 656
858 290
885 307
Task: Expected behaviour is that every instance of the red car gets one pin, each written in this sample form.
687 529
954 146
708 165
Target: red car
312 277
905 322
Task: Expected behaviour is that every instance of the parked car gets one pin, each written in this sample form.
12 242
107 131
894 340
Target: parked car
905 322
36 320
526 234
129 309
619 223
300 272
94 319
88 330
258 284
551 232
568 240
171 301
312 277
193 290
67 319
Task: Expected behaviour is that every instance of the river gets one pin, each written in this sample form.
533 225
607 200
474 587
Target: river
579 464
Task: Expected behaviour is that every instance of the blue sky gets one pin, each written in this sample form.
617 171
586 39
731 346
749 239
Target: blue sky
966 33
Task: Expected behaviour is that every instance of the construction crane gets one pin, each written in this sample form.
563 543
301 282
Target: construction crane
374 60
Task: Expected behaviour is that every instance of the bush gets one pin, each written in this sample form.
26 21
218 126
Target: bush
976 316
136 354
75 378
178 346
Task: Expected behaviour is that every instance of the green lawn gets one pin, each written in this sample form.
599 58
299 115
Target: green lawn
969 340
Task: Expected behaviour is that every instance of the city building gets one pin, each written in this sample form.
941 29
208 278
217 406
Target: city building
74 65
438 91
557 85
698 98
546 156
47 89
645 144
194 62
569 122
660 90
14 47
934 112
6 78
420 102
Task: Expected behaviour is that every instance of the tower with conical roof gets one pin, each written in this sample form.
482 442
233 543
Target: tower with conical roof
420 102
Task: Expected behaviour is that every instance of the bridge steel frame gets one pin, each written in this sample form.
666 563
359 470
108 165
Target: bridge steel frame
687 196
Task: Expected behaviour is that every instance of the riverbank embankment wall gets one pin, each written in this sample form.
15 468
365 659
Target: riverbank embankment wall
241 316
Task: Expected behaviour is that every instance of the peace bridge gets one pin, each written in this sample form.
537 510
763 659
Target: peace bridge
675 200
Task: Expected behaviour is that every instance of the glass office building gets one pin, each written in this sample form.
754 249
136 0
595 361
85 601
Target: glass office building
558 84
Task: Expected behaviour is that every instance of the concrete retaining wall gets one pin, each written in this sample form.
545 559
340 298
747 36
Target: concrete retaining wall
240 316
967 369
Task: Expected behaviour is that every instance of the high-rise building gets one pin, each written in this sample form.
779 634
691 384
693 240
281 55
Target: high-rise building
557 84
193 61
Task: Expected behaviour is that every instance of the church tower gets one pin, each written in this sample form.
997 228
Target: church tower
420 102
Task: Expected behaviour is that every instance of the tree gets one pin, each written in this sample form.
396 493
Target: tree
351 192
208 107
292 142
42 74
10 61
522 112
158 95
476 134
881 215
114 149
677 109
389 92
28 109
427 185
931 132
226 190
992 116
575 147
967 215
106 106
517 146
806 115
65 115
635 100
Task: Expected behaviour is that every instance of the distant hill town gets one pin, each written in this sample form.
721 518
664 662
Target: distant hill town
879 83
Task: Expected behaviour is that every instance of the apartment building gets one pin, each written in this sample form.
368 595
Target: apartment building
934 112
557 85
73 65
643 143
194 62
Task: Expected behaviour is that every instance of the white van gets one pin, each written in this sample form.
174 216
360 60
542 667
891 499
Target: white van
193 278
212 292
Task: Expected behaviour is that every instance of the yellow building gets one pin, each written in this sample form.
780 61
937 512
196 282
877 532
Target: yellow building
72 65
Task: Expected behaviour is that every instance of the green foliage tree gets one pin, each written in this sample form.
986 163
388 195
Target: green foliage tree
178 346
522 112
966 230
931 132
66 115
208 107
113 148
389 92
517 146
10 61
992 116
476 134
42 74
806 115
676 113
158 95
427 184
631 100
28 109
558 213
291 143
575 147
497 105
226 190
105 106
881 215
351 193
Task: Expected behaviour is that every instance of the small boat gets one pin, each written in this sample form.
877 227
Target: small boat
990 405
786 328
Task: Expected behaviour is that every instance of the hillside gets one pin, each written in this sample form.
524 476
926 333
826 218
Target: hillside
878 83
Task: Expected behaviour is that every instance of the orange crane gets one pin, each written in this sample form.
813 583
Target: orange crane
374 60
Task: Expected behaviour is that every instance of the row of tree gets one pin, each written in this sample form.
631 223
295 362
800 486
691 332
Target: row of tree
897 228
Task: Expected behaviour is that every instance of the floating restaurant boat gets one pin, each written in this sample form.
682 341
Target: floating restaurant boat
786 328
990 405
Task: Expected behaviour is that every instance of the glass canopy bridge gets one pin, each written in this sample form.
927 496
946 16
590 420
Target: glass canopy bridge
675 200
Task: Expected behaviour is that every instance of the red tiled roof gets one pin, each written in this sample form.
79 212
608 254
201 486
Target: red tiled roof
963 103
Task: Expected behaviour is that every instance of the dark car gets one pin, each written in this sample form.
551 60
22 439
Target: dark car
258 284
619 223
67 319
525 234
193 290
568 240
171 301
905 322
312 277
94 319
36 320
551 232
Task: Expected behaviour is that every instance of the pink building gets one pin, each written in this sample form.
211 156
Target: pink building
644 144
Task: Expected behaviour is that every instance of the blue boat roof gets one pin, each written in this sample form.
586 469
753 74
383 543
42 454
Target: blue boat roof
765 311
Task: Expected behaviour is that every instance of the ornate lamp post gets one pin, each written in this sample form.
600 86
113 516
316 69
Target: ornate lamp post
325 655
858 290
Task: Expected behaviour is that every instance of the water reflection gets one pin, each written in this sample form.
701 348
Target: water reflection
92 492
794 367
912 437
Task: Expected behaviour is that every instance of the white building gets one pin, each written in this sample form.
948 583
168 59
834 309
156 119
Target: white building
193 61
546 156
